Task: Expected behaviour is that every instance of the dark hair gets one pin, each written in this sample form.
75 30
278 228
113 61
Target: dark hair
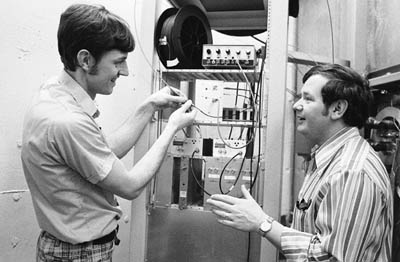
345 83
93 28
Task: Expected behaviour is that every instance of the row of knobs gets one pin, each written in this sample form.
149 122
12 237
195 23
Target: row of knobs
227 51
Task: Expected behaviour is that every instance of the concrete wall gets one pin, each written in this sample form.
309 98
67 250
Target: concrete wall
29 56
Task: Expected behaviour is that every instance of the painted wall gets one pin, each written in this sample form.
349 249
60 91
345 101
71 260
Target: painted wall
383 34
365 32
28 57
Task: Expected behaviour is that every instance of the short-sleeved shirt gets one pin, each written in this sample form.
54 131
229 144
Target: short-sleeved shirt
349 216
64 155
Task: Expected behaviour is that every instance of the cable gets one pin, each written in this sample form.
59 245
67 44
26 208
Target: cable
246 97
248 85
184 132
193 174
237 177
332 41
258 39
245 77
252 131
178 93
253 181
230 132
241 133
236 100
204 113
258 92
198 129
231 88
254 111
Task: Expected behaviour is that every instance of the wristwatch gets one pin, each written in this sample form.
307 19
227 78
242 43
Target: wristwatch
265 226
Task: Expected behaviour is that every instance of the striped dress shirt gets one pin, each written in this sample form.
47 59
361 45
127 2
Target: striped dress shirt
348 215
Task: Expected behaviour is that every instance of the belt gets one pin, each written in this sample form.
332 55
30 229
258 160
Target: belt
99 241
107 238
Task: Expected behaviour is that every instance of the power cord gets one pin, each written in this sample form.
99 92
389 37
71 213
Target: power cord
192 171
237 177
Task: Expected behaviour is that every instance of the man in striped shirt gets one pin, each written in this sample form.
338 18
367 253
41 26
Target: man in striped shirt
344 210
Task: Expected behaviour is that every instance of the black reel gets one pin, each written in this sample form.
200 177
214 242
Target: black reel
180 35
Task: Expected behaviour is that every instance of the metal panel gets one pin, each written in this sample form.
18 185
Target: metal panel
193 235
210 74
228 186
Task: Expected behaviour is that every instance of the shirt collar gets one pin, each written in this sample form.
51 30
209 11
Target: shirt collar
327 150
79 94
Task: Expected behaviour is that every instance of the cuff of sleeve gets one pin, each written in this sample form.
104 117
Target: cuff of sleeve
295 244
105 170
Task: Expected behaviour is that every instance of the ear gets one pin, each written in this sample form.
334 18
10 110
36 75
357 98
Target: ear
85 59
338 109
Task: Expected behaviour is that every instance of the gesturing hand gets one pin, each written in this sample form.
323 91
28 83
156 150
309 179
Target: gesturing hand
241 213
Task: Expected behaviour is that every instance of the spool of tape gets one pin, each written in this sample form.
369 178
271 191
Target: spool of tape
180 35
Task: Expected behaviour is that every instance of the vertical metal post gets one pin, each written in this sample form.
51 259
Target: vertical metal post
183 182
289 135
145 16
274 111
189 89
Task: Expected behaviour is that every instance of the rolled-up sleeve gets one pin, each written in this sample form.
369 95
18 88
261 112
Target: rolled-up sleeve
352 218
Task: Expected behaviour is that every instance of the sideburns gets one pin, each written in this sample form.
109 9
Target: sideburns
93 70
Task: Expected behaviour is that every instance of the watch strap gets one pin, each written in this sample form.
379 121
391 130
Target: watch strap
269 220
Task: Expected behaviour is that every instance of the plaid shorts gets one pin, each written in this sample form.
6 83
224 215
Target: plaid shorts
51 249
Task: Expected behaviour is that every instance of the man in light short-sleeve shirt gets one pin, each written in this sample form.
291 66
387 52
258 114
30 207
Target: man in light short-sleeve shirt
73 171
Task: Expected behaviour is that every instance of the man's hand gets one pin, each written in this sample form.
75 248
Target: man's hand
182 117
167 97
241 213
